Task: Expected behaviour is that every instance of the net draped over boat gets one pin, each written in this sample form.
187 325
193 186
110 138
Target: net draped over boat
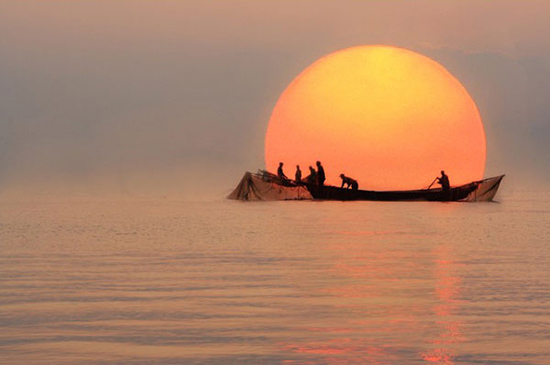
485 191
266 186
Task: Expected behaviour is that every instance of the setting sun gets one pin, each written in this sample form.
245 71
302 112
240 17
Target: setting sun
388 117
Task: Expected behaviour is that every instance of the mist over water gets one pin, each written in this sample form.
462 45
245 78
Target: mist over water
164 280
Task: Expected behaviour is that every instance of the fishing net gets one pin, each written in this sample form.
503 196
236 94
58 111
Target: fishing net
485 191
267 186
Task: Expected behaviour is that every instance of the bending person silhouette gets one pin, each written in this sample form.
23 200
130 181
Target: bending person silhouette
444 181
280 172
351 183
312 177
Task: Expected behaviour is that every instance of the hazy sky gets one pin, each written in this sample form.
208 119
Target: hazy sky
178 94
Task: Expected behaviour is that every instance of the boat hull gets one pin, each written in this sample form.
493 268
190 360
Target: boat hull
465 192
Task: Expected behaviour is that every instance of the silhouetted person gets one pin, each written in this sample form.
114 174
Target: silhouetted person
298 175
312 177
280 172
351 183
320 174
444 181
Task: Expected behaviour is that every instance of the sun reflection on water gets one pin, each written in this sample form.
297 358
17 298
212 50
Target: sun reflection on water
384 297
448 290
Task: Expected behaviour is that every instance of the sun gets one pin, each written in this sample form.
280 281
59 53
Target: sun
386 116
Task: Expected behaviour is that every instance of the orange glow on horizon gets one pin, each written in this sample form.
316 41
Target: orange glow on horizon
386 116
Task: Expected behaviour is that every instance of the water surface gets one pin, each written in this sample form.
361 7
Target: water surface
141 280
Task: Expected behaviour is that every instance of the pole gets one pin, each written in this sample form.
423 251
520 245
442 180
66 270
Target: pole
428 188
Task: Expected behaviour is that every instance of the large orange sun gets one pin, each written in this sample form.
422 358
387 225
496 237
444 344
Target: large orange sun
386 116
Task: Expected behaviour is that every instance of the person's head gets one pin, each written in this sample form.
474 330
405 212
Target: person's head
298 167
318 163
342 176
280 164
442 172
311 168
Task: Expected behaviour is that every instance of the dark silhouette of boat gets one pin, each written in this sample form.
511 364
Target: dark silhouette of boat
267 186
482 190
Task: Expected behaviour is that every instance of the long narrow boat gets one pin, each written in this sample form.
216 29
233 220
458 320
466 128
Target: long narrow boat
483 190
267 186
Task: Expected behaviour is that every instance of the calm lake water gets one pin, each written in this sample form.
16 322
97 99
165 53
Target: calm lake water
143 280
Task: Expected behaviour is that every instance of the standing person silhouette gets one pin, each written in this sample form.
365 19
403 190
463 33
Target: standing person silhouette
320 174
444 181
298 175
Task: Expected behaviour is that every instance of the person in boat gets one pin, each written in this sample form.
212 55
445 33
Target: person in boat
312 177
298 175
351 183
320 174
444 181
280 172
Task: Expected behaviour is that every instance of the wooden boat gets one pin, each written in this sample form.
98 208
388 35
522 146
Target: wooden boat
264 185
483 190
